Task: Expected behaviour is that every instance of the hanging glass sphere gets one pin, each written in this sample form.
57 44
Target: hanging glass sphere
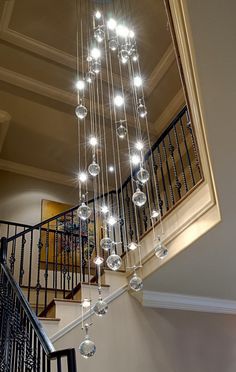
99 34
84 212
130 48
135 56
114 261
124 55
106 244
113 44
143 175
142 111
81 111
139 198
94 169
100 308
160 250
96 67
87 347
136 283
90 77
121 131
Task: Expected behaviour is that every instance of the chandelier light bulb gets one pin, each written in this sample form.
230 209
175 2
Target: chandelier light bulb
111 24
98 14
132 246
118 100
104 209
139 145
98 260
111 220
136 283
82 177
122 31
139 198
80 85
138 81
96 53
93 141
81 111
111 168
135 159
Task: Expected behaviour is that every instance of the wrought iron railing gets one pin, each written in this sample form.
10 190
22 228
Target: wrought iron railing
50 259
24 346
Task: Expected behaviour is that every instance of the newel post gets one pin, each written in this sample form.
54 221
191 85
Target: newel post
3 251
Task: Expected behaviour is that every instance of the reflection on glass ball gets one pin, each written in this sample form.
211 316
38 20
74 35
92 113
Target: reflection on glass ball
90 77
113 44
143 175
121 131
100 308
134 56
114 261
99 34
132 246
136 283
160 250
96 67
106 244
87 348
84 212
139 198
130 48
142 111
81 111
94 169
124 55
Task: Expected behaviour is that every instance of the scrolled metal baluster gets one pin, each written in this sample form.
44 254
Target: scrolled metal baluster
12 258
168 172
178 184
21 273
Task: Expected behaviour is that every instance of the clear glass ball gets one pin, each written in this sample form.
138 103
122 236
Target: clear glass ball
106 244
135 56
81 111
90 77
84 212
124 55
130 48
100 308
136 283
94 169
160 250
143 175
87 348
121 131
96 67
139 198
142 111
99 34
114 261
113 44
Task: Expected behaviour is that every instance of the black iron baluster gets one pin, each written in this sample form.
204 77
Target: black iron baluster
187 152
30 264
72 250
194 144
180 158
168 172
178 184
38 285
46 267
13 253
21 273
163 179
56 257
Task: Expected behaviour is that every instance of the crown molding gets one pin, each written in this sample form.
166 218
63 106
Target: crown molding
42 174
5 119
163 300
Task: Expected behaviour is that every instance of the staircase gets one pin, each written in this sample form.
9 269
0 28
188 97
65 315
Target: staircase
47 269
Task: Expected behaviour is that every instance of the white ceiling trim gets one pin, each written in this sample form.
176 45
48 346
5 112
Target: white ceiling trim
5 119
42 174
163 300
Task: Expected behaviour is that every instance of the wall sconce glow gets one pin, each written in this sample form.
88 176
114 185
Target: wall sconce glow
135 159
139 145
86 303
104 209
111 24
122 31
80 85
118 100
138 82
93 141
98 14
82 177
111 168
111 221
95 53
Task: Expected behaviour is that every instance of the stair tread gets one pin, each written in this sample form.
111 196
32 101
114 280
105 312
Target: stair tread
50 319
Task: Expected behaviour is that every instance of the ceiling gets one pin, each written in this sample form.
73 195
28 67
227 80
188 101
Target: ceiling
37 81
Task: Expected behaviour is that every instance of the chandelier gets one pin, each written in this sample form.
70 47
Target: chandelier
110 96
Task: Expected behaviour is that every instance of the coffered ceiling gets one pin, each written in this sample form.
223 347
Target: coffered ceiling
37 77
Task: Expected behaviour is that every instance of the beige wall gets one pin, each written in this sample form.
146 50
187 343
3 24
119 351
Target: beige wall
20 197
136 339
